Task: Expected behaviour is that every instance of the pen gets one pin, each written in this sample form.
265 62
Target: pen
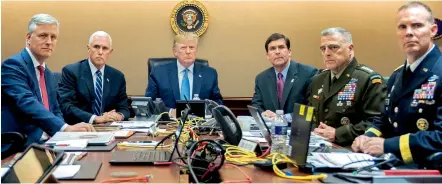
81 156
62 145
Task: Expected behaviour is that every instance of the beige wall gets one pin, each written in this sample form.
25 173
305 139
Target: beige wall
233 43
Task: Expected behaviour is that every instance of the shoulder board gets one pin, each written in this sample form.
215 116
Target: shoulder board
399 67
366 69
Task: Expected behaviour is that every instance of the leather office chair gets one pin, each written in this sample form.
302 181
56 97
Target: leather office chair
154 62
16 142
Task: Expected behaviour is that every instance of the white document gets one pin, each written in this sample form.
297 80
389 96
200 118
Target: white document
134 124
142 130
256 139
251 134
341 159
66 171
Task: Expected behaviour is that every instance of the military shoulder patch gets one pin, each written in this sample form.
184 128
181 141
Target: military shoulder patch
376 79
399 67
366 69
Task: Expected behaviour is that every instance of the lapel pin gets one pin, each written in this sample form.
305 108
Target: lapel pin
107 79
199 76
425 69
292 80
348 75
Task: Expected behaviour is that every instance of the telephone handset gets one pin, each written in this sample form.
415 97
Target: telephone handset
228 123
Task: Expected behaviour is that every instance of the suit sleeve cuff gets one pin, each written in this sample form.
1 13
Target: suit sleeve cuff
373 132
91 120
400 147
63 127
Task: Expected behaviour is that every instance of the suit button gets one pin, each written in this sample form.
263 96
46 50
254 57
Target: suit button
396 109
325 110
395 124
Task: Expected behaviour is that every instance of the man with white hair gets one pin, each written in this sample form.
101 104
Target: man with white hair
347 95
29 100
92 91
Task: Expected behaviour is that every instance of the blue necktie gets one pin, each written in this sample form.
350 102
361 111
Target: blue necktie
98 94
185 86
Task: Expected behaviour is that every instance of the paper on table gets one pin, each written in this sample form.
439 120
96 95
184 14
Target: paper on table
138 124
66 171
259 139
251 134
3 171
123 133
340 159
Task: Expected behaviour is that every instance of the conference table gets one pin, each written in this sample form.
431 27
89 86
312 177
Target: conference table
170 173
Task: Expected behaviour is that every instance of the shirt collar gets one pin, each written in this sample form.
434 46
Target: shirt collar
94 69
340 73
284 72
34 60
181 67
416 63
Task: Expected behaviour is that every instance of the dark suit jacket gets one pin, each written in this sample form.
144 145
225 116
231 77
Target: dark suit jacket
76 91
22 107
296 86
163 83
412 121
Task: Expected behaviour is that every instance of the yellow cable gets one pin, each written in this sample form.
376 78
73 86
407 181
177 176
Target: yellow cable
281 158
238 155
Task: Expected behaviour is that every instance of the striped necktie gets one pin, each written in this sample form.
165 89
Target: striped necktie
98 94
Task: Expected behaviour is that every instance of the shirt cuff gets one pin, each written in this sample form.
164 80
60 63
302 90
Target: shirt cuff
63 127
91 121
122 115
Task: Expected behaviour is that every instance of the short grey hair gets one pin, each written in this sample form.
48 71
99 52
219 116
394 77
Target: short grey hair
338 30
416 4
100 34
41 18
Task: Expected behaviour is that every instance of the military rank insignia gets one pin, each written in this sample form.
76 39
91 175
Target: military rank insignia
349 91
189 16
376 79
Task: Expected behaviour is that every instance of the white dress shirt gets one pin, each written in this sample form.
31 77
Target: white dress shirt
181 69
94 77
416 63
44 136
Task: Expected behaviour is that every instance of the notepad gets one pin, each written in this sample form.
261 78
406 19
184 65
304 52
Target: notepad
123 133
66 171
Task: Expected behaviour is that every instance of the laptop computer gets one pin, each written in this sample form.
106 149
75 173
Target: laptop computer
265 130
300 138
94 138
198 107
152 157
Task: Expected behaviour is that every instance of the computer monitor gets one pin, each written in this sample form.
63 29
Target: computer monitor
143 106
198 107
265 131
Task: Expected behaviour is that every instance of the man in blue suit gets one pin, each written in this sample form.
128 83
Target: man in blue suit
185 78
411 127
92 91
285 83
29 100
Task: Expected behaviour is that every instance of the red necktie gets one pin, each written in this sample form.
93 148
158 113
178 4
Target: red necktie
44 93
280 88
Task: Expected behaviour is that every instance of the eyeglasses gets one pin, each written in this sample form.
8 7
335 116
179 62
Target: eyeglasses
331 47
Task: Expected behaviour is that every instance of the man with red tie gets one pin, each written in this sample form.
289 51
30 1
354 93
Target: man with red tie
29 100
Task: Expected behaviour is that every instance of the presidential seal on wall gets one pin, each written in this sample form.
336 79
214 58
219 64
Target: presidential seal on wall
189 16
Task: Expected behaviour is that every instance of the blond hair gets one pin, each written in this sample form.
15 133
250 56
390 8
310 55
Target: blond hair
180 38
